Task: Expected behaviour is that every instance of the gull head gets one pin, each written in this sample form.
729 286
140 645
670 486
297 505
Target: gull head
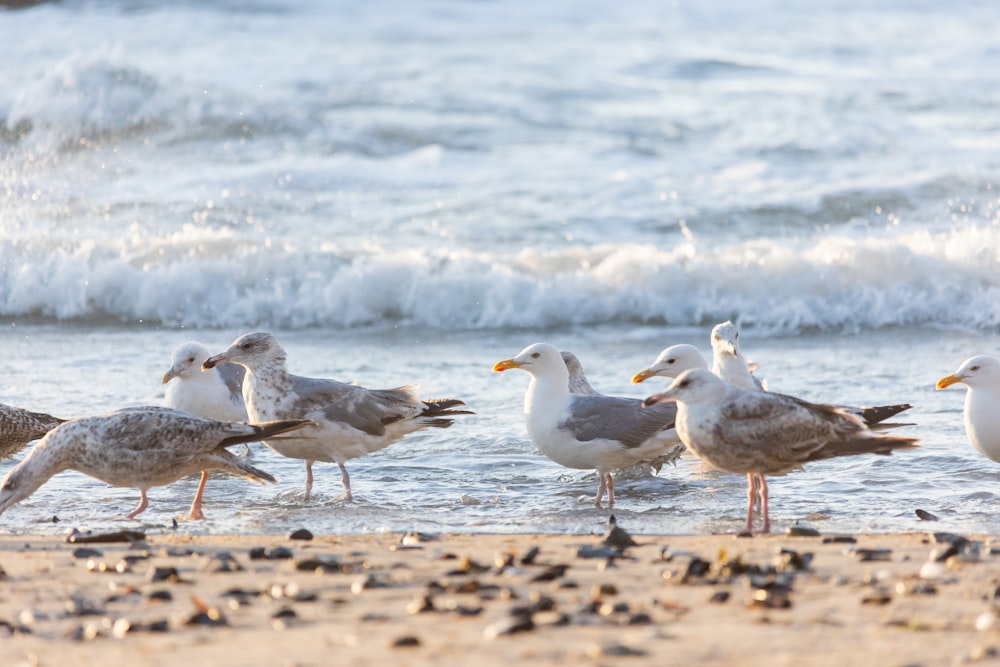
694 386
539 359
726 338
672 362
251 350
974 372
45 459
186 362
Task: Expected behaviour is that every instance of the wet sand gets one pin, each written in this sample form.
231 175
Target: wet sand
499 600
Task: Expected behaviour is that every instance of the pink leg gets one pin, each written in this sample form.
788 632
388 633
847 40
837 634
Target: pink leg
143 504
611 491
751 499
764 504
309 479
196 512
600 490
346 479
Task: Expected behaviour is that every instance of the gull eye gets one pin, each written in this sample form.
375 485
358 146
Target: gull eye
536 355
671 361
684 383
974 368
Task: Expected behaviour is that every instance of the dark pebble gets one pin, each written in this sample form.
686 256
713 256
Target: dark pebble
106 538
924 515
160 596
285 613
877 599
86 552
839 539
868 555
301 534
257 553
719 597
420 605
696 568
163 574
771 599
950 538
406 641
529 557
550 573
280 553
618 538
802 531
510 625
788 559
598 552
642 618
222 562
318 565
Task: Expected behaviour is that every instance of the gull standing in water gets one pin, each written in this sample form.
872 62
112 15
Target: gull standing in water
588 432
216 393
982 402
759 433
138 447
349 421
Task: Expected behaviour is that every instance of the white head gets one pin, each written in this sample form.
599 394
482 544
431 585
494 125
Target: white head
726 339
974 372
540 359
186 362
251 350
695 386
672 362
48 457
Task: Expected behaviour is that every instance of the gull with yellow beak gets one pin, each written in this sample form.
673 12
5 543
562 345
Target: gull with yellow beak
589 432
982 402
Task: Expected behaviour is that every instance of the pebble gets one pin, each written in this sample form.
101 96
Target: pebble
86 552
301 534
529 557
614 651
406 641
130 536
802 531
867 555
509 625
719 597
924 515
839 539
222 562
163 574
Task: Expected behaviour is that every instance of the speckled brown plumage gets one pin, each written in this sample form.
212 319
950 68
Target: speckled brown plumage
18 427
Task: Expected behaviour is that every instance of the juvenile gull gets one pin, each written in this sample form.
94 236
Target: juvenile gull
350 421
982 402
18 427
759 433
138 447
588 432
216 393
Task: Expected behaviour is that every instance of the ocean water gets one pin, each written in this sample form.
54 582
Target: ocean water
409 192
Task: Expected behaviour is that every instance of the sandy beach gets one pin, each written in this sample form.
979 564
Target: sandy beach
905 599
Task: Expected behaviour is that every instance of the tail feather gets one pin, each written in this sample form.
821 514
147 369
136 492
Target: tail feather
255 474
879 413
441 407
264 430
878 444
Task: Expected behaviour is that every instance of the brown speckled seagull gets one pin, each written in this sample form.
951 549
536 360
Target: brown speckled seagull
759 433
18 427
350 421
138 447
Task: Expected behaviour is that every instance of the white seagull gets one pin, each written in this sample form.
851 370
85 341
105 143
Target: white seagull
216 393
728 361
982 402
588 432
760 433
138 447
350 421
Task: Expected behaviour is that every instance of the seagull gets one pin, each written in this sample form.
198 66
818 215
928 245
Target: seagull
673 361
588 432
213 394
350 421
728 361
18 427
760 433
982 402
138 447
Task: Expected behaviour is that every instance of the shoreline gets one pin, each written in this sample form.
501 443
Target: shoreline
531 599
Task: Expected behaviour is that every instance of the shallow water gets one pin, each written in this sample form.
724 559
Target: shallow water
412 191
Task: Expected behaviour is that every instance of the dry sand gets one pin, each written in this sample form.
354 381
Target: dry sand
452 600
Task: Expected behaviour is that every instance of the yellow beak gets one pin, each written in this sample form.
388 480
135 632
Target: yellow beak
642 375
168 376
506 365
949 380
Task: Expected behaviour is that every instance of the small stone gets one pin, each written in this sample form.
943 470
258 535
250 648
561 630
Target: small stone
258 553
529 557
163 574
802 531
509 625
876 599
924 515
932 570
222 562
285 613
86 552
280 553
160 596
839 539
614 651
868 555
406 641
986 621
420 605
719 597
301 534
550 573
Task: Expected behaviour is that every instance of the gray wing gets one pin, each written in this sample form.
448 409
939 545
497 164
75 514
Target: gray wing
621 419
363 409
